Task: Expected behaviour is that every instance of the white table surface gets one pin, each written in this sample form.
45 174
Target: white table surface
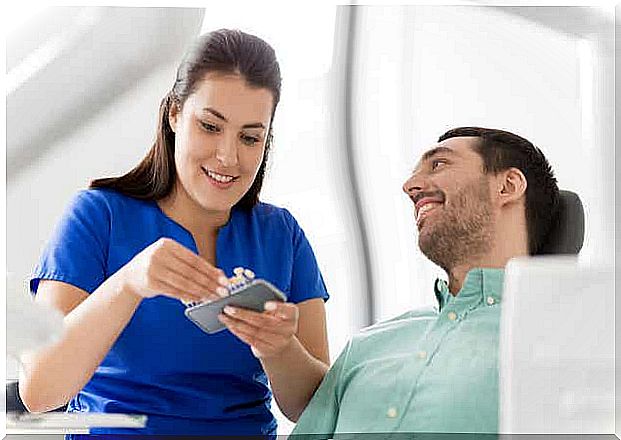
70 423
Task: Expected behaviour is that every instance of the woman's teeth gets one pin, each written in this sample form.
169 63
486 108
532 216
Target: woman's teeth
220 177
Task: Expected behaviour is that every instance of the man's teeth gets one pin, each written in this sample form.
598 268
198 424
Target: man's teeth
219 177
425 208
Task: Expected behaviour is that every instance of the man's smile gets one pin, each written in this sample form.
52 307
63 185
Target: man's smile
424 207
425 211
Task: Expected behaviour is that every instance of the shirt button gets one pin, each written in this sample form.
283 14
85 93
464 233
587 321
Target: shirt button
452 316
391 413
422 354
490 300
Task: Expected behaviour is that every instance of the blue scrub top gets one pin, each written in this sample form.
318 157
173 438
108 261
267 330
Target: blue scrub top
162 365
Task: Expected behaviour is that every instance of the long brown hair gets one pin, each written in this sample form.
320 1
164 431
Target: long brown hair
224 51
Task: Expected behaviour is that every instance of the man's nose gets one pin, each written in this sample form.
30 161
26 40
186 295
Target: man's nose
413 185
226 151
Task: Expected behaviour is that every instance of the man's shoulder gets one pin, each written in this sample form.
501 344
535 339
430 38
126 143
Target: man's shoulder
412 320
403 319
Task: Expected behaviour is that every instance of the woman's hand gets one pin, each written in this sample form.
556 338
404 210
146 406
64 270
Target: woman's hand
168 268
268 333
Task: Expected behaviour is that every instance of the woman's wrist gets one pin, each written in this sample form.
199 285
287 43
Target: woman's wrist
124 288
287 352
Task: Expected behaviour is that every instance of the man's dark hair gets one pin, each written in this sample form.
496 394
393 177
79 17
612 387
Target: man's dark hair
501 150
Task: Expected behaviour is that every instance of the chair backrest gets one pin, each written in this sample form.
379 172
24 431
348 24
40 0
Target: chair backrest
567 235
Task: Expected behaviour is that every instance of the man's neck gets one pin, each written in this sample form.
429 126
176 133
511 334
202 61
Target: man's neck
457 275
496 258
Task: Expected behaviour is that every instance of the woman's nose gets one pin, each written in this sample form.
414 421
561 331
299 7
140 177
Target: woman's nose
226 152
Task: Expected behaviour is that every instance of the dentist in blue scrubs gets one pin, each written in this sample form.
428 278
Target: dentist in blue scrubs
130 250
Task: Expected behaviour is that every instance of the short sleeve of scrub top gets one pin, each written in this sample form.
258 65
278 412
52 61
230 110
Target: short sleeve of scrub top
162 365
77 250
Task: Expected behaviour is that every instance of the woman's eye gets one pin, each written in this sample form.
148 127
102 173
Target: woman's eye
249 140
210 127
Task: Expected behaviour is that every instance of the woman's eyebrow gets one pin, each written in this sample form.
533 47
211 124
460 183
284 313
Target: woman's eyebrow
216 113
220 116
254 125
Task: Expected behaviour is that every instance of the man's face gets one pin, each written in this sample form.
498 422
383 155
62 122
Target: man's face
452 201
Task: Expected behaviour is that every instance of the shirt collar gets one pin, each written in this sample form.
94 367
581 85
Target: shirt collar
484 283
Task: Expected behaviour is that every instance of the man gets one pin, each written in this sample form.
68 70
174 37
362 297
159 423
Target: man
481 197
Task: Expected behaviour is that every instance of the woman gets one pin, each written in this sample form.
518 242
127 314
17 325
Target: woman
131 250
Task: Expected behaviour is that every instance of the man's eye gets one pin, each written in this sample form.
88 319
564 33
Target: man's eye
249 140
210 127
436 163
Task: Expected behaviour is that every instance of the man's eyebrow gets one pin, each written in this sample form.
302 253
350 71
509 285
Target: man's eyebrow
433 152
220 116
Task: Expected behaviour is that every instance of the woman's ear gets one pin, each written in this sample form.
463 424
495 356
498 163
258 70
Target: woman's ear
512 186
173 116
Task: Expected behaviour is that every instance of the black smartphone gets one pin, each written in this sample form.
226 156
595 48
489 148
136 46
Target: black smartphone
253 296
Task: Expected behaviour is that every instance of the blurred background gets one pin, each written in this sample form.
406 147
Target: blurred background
366 90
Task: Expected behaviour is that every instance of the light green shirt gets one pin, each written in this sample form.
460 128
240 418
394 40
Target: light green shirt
432 370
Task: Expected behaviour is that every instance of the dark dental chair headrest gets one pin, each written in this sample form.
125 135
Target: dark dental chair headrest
567 234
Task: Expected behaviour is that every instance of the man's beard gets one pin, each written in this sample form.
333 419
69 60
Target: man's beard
461 230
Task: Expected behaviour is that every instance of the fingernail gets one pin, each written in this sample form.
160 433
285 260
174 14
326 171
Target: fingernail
223 280
229 310
270 306
222 291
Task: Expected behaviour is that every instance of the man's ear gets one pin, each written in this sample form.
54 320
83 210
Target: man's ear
173 116
512 186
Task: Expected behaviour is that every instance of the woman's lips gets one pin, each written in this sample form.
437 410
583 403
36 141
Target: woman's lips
219 180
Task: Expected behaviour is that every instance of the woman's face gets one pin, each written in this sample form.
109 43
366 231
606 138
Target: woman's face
220 136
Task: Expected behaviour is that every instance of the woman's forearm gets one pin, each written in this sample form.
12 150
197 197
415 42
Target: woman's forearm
53 375
294 375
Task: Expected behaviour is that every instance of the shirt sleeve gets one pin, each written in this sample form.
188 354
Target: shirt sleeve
319 419
306 279
77 250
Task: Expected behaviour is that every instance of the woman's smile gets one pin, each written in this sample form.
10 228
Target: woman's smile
221 181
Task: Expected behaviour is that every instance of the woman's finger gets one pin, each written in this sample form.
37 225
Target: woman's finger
199 264
282 310
177 286
256 319
247 333
197 281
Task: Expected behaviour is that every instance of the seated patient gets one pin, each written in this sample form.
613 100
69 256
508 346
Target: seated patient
481 197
